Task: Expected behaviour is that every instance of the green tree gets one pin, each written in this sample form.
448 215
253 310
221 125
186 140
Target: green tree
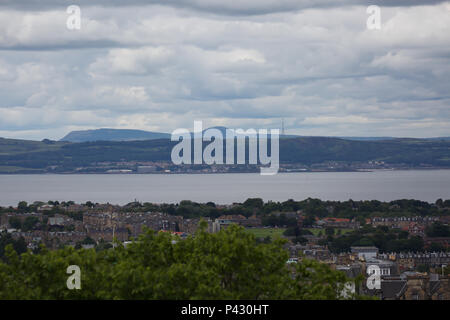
309 221
29 223
436 247
329 231
292 232
403 234
423 268
446 270
18 245
301 240
254 203
15 222
437 229
22 206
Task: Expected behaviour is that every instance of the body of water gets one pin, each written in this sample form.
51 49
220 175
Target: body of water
426 185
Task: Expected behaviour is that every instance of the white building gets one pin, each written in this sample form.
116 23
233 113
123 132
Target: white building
365 253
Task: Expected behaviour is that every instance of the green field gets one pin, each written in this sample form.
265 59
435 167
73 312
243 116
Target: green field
264 232
316 231
274 232
14 147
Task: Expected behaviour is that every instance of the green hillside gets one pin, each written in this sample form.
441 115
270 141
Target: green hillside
22 154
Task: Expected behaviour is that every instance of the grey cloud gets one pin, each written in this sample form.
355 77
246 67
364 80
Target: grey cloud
247 7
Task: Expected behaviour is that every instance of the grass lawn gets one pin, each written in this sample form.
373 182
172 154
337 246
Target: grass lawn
316 231
264 232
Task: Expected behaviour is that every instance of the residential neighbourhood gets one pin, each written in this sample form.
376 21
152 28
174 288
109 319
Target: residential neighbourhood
416 268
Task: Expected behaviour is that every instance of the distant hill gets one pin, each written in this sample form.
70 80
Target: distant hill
223 130
440 138
388 138
139 135
128 135
367 138
113 135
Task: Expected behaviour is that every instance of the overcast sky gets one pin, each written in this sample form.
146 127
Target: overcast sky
160 65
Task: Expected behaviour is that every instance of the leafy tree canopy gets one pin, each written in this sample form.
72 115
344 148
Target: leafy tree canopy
229 264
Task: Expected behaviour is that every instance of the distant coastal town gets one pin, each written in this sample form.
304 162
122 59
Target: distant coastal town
167 167
170 168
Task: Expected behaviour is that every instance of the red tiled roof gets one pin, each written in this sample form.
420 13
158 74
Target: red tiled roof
173 232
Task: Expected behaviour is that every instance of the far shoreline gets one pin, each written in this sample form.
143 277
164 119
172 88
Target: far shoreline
222 173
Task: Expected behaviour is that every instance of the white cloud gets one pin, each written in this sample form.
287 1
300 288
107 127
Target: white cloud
159 67
144 60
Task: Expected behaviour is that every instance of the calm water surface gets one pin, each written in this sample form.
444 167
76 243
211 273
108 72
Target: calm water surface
426 185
